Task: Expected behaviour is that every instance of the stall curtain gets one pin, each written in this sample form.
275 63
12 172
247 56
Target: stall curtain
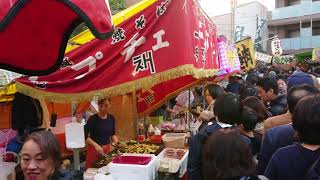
124 110
167 40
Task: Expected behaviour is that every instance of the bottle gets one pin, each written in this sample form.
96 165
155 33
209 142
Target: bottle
157 131
150 130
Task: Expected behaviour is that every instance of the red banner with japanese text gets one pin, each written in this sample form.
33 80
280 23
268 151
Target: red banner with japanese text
149 99
167 40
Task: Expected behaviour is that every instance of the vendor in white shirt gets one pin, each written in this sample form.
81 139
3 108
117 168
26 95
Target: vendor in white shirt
212 91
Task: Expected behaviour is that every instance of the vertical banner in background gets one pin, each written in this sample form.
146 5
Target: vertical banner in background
246 54
316 55
228 56
239 33
276 47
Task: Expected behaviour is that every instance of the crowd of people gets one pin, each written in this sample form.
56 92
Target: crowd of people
256 128
261 126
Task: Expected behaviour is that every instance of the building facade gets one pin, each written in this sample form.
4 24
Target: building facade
131 2
252 18
224 26
248 19
297 24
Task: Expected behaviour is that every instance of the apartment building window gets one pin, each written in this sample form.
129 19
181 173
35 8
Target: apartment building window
271 35
292 2
306 24
315 28
292 33
315 31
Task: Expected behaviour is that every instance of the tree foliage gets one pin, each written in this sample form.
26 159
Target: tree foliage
115 7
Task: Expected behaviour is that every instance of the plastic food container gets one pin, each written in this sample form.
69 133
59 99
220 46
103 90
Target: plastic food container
174 140
138 160
183 161
134 171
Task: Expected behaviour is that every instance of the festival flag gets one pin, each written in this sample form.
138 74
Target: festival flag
246 53
228 56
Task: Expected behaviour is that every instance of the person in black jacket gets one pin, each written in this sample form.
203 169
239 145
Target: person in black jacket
283 135
269 93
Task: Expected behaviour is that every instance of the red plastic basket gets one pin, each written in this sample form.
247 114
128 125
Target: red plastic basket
156 139
137 160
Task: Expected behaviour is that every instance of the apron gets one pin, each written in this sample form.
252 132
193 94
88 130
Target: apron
92 154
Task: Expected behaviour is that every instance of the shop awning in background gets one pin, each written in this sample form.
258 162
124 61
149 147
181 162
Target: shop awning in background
34 33
303 56
167 40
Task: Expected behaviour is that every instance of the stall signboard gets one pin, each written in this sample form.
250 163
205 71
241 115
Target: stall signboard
276 47
316 55
167 40
263 57
246 54
228 56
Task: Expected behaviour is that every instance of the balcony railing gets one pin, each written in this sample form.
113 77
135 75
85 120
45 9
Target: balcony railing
300 43
303 9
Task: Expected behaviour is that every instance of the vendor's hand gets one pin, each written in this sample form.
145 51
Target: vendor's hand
117 145
98 149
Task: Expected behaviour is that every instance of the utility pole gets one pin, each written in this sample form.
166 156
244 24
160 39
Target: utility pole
233 4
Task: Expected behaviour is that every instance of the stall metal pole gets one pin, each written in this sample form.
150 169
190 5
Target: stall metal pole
76 152
188 112
203 96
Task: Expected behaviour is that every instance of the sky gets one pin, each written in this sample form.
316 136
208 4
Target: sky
218 7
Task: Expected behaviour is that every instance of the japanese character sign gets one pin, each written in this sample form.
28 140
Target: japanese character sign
246 54
276 47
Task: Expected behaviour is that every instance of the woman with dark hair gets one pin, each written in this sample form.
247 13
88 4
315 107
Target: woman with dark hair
299 157
257 105
248 122
227 157
40 156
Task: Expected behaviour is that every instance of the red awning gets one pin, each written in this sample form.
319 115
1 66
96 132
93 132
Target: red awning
169 45
34 33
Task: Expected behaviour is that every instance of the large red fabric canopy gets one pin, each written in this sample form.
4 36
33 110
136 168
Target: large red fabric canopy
34 33
168 41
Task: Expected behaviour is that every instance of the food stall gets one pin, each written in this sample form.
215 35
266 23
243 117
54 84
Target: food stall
135 68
